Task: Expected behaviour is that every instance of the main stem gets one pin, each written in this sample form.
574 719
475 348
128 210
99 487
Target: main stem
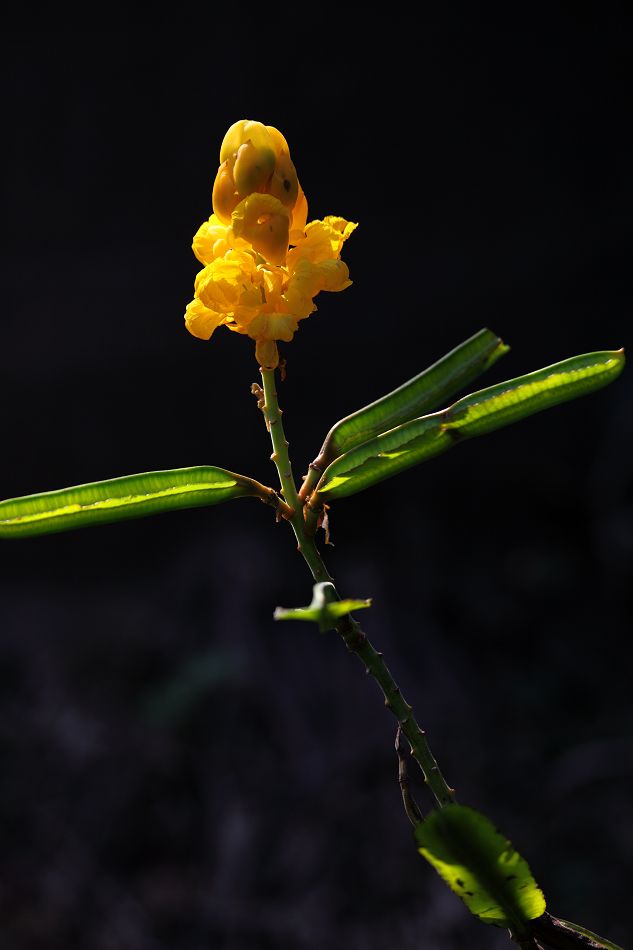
354 638
280 457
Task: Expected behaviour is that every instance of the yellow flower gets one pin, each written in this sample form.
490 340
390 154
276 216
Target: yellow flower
263 265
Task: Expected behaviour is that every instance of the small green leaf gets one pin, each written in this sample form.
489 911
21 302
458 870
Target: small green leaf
325 609
425 392
565 936
481 866
133 496
481 412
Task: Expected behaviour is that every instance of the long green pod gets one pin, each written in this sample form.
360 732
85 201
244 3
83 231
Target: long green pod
425 392
481 412
132 496
507 402
420 395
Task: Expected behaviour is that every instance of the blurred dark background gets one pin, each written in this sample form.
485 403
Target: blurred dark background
178 771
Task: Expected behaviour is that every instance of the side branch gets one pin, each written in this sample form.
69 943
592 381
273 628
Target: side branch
410 805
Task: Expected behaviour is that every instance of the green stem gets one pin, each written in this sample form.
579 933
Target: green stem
412 811
272 414
354 638
357 642
280 456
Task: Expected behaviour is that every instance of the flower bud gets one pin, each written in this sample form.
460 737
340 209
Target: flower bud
253 169
225 197
243 131
263 221
254 158
284 183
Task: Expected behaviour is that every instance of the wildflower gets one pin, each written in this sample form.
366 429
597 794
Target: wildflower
263 265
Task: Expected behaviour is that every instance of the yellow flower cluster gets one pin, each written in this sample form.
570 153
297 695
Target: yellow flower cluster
263 265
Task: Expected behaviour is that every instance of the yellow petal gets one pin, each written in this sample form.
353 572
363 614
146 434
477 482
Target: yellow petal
299 218
223 282
273 326
323 240
334 275
212 239
200 321
315 246
343 227
304 283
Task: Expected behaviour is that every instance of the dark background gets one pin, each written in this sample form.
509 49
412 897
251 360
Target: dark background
178 771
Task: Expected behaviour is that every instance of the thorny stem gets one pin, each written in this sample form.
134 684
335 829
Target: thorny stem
272 414
355 640
280 457
550 930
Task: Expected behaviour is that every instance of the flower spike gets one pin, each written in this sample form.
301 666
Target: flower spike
263 264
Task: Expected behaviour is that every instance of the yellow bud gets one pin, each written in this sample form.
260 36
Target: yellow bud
253 167
284 184
278 141
225 197
263 221
246 130
256 158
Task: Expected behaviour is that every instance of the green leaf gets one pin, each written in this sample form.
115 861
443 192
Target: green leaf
325 609
481 866
566 936
481 412
419 395
133 496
